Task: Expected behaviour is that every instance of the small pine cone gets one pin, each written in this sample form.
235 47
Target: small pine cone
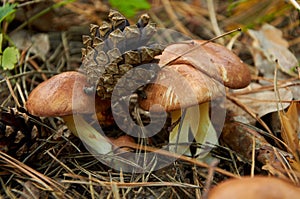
17 134
114 48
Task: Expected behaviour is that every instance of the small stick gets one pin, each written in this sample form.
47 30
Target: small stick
35 65
183 158
209 178
213 18
253 156
12 93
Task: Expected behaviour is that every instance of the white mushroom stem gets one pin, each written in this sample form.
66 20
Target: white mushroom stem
87 134
200 127
112 151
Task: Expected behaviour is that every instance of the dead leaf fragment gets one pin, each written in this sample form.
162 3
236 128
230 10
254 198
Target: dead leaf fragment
268 46
263 102
290 129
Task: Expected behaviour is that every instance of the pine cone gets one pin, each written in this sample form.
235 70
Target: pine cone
111 51
116 47
17 134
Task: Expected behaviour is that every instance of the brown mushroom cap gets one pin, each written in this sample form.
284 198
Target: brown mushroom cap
258 187
54 97
180 79
206 69
210 58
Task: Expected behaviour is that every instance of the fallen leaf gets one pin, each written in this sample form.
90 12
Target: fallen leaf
268 46
290 129
241 137
263 102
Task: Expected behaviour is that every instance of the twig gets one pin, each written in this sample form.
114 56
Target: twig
264 88
66 50
277 95
48 183
197 46
286 164
174 18
232 40
213 19
83 180
249 111
182 157
253 156
28 73
20 93
12 92
58 161
209 178
295 4
35 65
196 182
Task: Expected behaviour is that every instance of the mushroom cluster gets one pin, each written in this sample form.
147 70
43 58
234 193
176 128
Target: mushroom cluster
186 78
202 72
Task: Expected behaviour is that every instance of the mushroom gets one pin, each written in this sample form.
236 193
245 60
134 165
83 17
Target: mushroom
63 95
258 187
193 73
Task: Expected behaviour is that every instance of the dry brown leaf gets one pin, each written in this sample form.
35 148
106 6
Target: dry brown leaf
241 138
268 46
264 102
290 129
